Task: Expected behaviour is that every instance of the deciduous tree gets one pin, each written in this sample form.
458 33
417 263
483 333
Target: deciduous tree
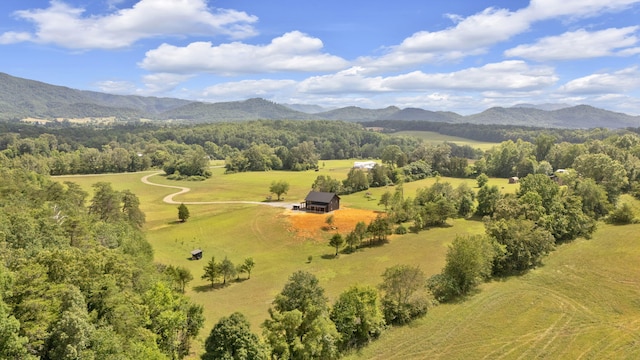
279 187
336 241
401 285
227 270
248 266
358 316
211 271
231 339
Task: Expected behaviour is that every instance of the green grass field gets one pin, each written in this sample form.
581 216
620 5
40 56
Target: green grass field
584 303
436 138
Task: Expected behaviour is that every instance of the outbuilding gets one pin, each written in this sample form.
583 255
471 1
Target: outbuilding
196 254
322 202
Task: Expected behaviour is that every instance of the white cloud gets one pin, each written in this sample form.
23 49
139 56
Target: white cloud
506 75
266 88
68 27
12 37
350 80
579 44
546 9
621 81
475 34
116 87
476 31
292 52
161 82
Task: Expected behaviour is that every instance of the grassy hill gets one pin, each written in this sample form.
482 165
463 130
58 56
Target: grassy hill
583 303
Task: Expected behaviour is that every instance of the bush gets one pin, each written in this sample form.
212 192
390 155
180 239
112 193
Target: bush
402 313
622 215
401 230
442 287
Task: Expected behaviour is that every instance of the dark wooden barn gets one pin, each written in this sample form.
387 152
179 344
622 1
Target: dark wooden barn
321 202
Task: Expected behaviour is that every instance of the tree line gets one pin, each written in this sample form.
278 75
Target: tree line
303 325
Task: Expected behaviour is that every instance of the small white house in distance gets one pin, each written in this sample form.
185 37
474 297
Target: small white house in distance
367 165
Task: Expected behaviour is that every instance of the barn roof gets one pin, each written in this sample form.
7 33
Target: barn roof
323 197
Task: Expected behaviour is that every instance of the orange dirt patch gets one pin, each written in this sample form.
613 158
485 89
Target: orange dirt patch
313 226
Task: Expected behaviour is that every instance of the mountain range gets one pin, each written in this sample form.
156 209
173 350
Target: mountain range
23 98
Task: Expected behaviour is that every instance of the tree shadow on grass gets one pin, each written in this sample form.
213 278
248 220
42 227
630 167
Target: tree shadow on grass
328 256
208 287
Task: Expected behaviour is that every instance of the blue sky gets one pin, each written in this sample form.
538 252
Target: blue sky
462 56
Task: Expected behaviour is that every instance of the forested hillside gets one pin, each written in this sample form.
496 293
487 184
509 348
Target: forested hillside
77 278
22 98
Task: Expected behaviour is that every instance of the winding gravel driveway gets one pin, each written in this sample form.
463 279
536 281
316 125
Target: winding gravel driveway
182 190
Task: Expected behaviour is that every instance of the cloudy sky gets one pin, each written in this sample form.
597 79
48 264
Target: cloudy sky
460 55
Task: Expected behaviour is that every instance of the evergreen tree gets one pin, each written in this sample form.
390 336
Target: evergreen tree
183 212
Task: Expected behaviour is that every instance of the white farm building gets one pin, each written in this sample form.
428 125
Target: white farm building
366 165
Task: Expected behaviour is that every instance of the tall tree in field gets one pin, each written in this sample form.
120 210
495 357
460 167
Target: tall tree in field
183 212
183 276
352 241
401 284
299 326
227 269
279 187
385 200
358 316
336 241
524 244
360 231
231 339
248 266
211 271
469 261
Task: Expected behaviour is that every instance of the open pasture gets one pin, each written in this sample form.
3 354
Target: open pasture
435 138
582 304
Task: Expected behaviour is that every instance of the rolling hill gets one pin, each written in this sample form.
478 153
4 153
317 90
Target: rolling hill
23 98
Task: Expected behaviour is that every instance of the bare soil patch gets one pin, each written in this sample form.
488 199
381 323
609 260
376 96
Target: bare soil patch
312 226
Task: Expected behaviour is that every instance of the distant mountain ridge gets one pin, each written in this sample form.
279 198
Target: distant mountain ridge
23 98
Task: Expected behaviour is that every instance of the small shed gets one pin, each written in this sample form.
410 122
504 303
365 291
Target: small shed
196 254
322 202
513 180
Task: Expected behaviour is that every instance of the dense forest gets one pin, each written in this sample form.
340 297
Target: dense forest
262 145
77 278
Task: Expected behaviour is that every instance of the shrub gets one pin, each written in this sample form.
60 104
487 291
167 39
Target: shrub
401 230
622 215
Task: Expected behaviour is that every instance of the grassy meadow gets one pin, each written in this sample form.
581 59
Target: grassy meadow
435 138
584 303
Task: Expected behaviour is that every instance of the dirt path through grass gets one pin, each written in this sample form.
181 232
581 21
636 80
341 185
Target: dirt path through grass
182 190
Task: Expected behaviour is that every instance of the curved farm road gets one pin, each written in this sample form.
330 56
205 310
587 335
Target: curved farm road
169 198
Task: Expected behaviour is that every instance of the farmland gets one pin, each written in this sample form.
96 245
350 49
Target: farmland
581 303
